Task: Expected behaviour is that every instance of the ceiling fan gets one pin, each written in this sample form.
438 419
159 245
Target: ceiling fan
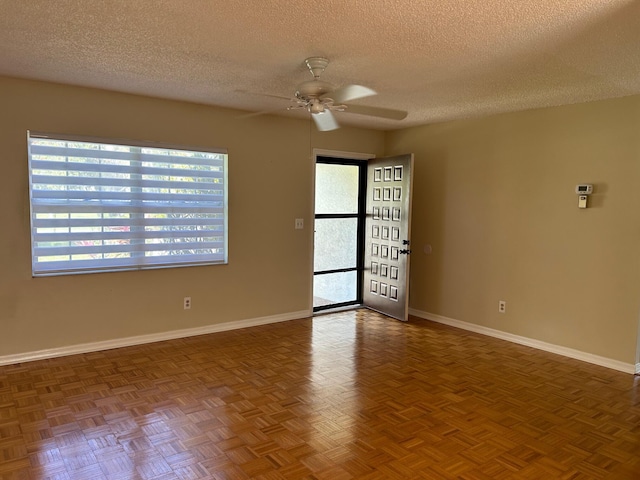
321 98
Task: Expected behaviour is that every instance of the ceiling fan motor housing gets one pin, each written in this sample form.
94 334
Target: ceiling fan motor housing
313 89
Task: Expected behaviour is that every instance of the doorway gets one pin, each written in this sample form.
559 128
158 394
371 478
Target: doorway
340 204
362 233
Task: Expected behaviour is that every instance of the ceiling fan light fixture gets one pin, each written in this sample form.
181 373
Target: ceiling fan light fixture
316 107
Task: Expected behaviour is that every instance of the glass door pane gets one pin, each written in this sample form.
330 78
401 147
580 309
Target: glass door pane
334 288
336 188
336 244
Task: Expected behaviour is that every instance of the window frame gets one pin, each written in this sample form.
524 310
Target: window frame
142 258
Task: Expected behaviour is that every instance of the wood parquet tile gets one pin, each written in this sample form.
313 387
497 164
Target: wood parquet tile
351 395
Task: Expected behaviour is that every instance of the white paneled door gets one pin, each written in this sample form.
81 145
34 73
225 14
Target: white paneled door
387 235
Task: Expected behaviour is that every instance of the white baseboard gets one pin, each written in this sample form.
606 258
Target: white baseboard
637 368
150 338
529 342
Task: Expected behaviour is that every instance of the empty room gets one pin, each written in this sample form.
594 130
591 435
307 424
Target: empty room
332 240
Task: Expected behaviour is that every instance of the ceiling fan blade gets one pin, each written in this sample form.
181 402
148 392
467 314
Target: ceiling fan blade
264 94
377 112
263 112
348 93
325 121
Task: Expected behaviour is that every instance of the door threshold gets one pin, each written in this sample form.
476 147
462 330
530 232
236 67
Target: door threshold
338 309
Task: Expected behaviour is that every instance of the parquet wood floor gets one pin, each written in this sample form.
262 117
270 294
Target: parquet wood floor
351 395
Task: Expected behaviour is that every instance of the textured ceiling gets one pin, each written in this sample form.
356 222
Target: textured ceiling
437 59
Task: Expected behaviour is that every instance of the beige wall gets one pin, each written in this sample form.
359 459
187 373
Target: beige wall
270 184
495 199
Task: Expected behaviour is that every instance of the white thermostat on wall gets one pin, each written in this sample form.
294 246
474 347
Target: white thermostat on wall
584 189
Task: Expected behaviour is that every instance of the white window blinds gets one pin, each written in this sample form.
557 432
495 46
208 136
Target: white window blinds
98 206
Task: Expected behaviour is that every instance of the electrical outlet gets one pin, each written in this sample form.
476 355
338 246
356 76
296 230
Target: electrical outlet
299 224
502 306
187 303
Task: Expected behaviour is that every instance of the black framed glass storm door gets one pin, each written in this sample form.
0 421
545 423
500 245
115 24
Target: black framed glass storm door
340 204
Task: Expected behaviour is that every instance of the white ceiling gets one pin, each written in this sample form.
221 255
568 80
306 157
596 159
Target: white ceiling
437 59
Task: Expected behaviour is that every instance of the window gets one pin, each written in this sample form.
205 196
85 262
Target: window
102 205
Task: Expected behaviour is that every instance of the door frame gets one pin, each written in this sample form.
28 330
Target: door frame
337 154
